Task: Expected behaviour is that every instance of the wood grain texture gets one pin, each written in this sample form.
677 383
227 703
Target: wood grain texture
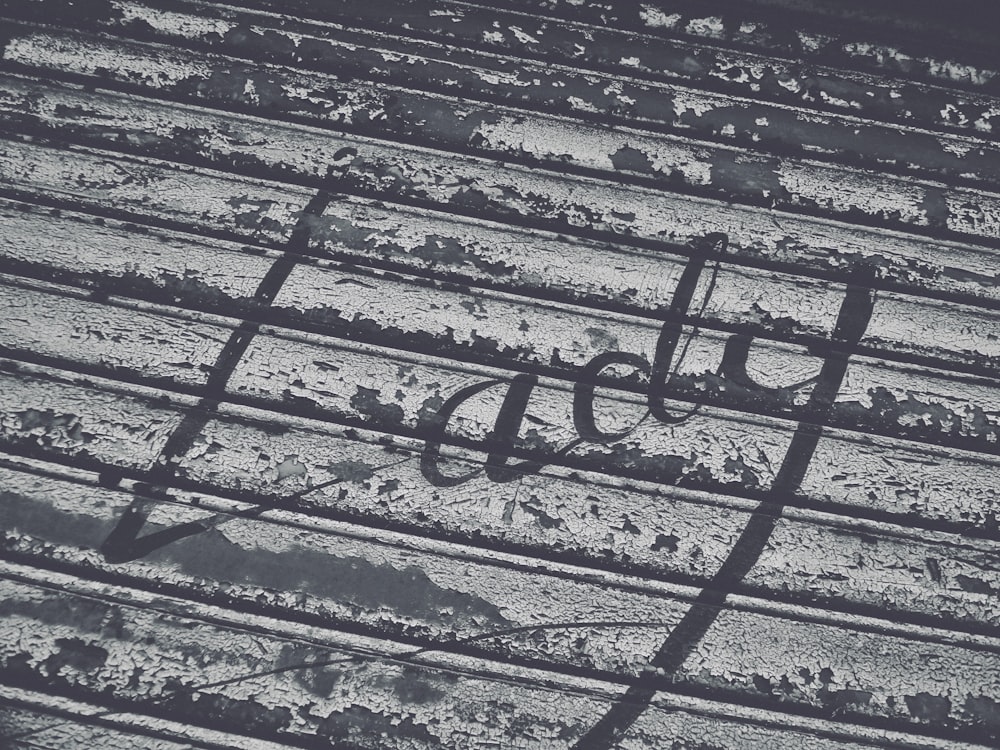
818 23
553 508
733 71
736 454
587 205
209 201
42 721
371 693
535 374
911 45
695 722
286 562
622 99
513 134
882 397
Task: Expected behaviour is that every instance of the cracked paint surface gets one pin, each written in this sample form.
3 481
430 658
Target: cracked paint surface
251 256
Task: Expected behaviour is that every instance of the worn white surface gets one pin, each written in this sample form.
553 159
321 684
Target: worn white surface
456 195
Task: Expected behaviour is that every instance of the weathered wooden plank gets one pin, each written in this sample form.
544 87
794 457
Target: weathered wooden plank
182 269
871 477
407 701
562 341
127 258
176 352
177 195
706 66
270 213
695 721
954 30
917 52
296 424
602 49
380 388
467 184
740 175
400 392
398 172
811 557
491 78
393 390
368 700
879 396
65 732
288 563
30 720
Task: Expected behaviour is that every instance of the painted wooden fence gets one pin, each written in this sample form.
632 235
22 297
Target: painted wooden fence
534 374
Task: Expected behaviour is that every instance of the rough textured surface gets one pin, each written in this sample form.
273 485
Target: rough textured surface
536 374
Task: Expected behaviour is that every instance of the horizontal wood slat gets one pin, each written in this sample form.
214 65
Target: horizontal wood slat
499 80
47 722
463 183
519 135
732 71
106 429
880 396
59 515
359 682
203 200
914 45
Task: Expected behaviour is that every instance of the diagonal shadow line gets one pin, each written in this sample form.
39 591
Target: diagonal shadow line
132 520
852 321
123 544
